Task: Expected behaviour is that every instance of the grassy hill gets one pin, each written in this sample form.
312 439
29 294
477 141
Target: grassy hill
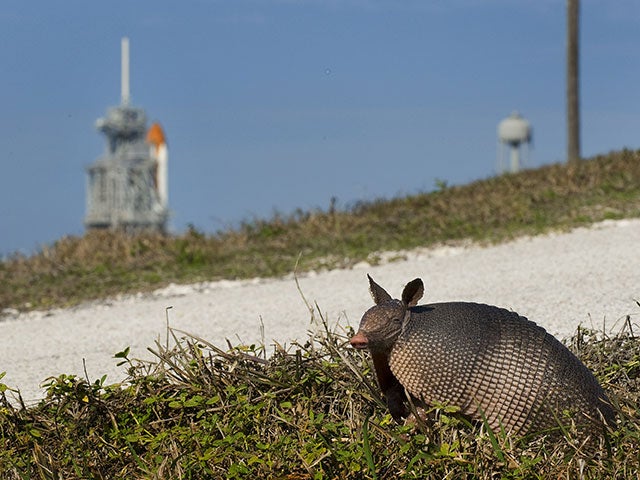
312 411
102 264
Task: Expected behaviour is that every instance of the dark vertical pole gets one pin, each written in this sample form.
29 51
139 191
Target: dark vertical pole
573 87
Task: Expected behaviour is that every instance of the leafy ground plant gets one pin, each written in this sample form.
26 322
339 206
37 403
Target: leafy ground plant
308 411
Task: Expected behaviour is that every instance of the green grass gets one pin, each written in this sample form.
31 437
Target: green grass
311 411
101 264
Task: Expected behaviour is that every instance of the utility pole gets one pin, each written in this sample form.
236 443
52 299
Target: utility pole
573 87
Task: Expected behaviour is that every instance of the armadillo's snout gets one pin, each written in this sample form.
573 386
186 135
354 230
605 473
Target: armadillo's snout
359 341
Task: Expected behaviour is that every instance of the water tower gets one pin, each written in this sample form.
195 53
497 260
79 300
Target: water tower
127 187
516 134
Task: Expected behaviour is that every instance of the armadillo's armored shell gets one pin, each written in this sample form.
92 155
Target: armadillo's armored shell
492 362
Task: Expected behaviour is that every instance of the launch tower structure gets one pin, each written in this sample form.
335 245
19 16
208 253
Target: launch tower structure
127 186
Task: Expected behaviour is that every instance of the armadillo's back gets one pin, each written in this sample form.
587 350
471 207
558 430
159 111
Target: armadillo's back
492 362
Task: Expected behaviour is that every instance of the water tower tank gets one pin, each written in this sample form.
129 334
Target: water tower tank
513 132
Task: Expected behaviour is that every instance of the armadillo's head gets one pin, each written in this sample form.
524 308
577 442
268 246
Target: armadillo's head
382 323
380 326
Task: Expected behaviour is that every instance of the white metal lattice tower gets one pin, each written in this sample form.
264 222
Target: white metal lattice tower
127 186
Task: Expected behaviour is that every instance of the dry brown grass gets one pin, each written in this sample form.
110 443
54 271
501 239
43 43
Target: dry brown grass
101 264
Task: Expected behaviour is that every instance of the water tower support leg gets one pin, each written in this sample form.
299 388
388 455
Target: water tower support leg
515 159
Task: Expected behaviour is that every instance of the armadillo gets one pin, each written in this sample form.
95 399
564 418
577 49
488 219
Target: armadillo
489 362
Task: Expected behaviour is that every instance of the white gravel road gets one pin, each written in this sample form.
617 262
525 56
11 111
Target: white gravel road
590 276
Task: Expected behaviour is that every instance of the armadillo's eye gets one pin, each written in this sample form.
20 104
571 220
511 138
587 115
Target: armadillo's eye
397 320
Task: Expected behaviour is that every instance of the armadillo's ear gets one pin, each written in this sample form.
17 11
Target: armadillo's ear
378 293
413 292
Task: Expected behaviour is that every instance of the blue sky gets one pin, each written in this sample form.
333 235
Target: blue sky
278 104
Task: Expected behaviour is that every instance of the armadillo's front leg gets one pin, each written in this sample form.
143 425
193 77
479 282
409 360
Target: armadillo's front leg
390 386
396 402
